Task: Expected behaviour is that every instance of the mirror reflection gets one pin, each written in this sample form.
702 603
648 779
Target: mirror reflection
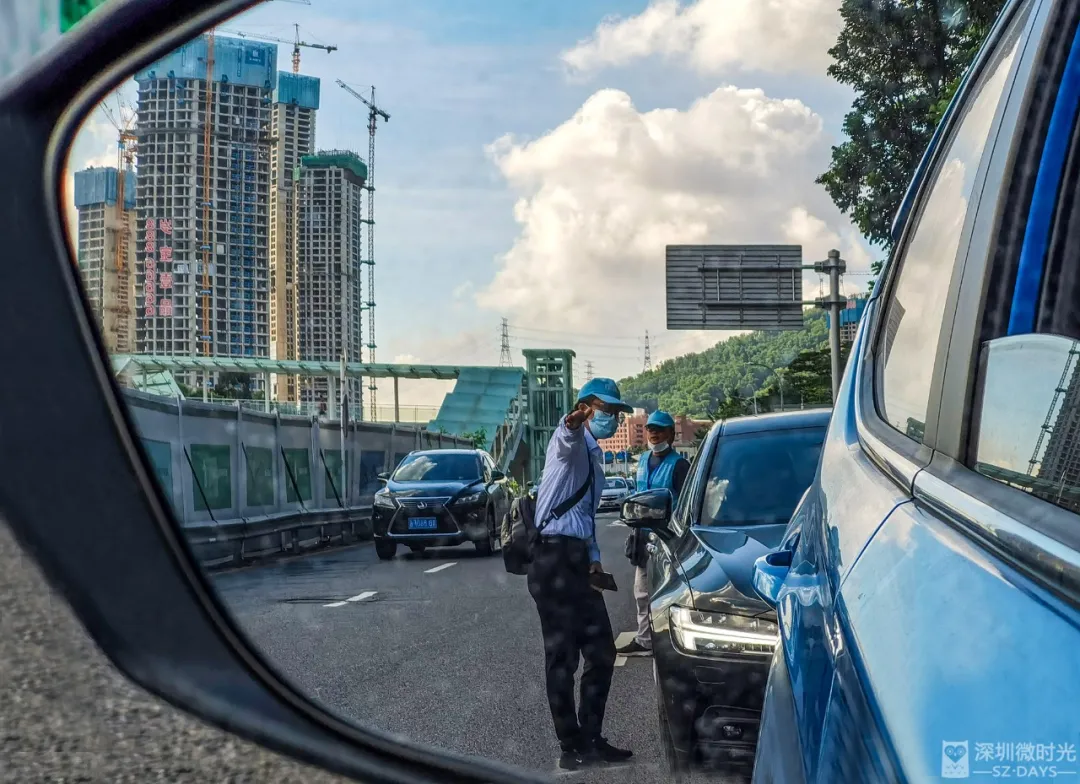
348 404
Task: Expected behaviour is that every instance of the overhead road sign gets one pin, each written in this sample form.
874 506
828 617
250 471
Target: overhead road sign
754 287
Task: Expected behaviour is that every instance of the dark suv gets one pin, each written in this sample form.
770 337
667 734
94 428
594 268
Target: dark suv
713 636
438 498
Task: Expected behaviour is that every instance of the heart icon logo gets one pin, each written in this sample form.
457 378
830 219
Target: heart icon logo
955 751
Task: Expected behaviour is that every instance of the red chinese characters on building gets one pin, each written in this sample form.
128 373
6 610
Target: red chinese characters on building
155 274
150 268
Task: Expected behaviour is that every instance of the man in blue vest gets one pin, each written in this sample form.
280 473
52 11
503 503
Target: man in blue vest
660 467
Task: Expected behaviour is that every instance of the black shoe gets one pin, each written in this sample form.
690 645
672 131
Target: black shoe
602 751
572 757
633 648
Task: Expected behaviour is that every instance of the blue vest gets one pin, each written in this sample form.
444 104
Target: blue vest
661 476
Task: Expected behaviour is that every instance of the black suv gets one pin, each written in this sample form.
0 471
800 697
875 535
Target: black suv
441 497
713 636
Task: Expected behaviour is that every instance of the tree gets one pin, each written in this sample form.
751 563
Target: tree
810 374
905 59
233 386
478 437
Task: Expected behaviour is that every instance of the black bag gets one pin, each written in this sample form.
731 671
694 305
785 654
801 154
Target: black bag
520 532
635 548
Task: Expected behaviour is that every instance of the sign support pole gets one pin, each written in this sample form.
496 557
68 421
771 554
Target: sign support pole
834 266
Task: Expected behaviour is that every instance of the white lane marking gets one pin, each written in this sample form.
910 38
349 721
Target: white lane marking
358 598
620 661
440 568
625 639
616 524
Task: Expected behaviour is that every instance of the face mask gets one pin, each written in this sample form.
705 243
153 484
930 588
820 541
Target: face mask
661 447
603 425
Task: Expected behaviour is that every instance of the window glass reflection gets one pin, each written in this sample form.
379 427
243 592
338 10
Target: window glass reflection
915 311
1028 428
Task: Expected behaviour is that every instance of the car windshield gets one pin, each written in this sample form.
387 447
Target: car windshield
758 478
615 483
430 466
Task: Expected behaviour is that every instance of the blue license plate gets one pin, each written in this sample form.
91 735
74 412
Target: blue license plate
422 524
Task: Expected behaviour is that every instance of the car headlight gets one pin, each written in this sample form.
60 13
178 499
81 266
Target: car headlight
719 634
385 501
471 499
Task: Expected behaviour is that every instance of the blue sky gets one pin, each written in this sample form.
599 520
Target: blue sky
456 76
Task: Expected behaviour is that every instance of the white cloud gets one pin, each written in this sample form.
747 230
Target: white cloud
600 196
714 36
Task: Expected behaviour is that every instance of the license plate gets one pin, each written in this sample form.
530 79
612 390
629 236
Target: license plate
422 524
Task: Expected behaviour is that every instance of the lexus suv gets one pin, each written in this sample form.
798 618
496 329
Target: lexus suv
439 498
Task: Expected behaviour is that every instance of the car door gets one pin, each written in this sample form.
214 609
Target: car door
987 556
877 440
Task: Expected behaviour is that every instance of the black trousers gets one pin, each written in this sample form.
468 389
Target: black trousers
575 624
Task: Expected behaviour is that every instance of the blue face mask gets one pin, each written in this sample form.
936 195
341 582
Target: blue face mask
603 425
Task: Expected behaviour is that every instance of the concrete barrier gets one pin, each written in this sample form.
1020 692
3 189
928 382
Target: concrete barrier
245 484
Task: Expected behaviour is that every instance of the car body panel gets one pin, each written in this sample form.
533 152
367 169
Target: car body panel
917 604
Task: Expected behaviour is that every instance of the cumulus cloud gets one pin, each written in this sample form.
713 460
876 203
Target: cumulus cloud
714 36
600 197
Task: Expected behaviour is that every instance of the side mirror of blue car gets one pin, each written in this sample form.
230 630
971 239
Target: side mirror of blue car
770 571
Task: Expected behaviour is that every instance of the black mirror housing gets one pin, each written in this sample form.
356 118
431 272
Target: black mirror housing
497 476
384 476
648 509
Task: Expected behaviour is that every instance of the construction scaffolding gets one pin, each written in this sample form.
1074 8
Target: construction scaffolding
203 203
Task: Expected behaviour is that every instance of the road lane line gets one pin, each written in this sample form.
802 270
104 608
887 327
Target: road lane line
336 604
361 596
440 568
620 661
625 639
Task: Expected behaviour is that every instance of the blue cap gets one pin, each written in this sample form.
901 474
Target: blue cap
606 390
660 419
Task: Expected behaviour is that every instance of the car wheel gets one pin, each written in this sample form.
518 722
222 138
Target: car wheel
385 549
677 763
489 544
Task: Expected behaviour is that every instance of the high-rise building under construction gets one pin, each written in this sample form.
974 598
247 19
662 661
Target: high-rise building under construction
296 101
106 220
203 200
329 259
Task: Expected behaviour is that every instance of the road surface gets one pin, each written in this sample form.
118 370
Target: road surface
443 647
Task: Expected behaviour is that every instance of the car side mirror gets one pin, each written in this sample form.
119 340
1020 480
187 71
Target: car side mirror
497 476
648 509
770 571
384 476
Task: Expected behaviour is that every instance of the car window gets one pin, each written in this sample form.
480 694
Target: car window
758 478
438 467
916 308
1027 429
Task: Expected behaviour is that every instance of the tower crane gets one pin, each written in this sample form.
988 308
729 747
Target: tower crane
374 113
124 121
296 43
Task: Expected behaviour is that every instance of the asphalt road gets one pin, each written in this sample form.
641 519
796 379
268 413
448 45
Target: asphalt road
443 647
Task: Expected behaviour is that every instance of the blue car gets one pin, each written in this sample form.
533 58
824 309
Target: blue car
928 585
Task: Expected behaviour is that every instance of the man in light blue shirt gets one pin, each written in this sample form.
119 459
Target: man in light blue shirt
573 616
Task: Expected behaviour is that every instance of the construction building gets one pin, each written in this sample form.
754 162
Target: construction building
329 260
1059 467
550 395
292 123
105 203
203 200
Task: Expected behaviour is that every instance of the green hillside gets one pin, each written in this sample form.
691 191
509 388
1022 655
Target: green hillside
719 380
